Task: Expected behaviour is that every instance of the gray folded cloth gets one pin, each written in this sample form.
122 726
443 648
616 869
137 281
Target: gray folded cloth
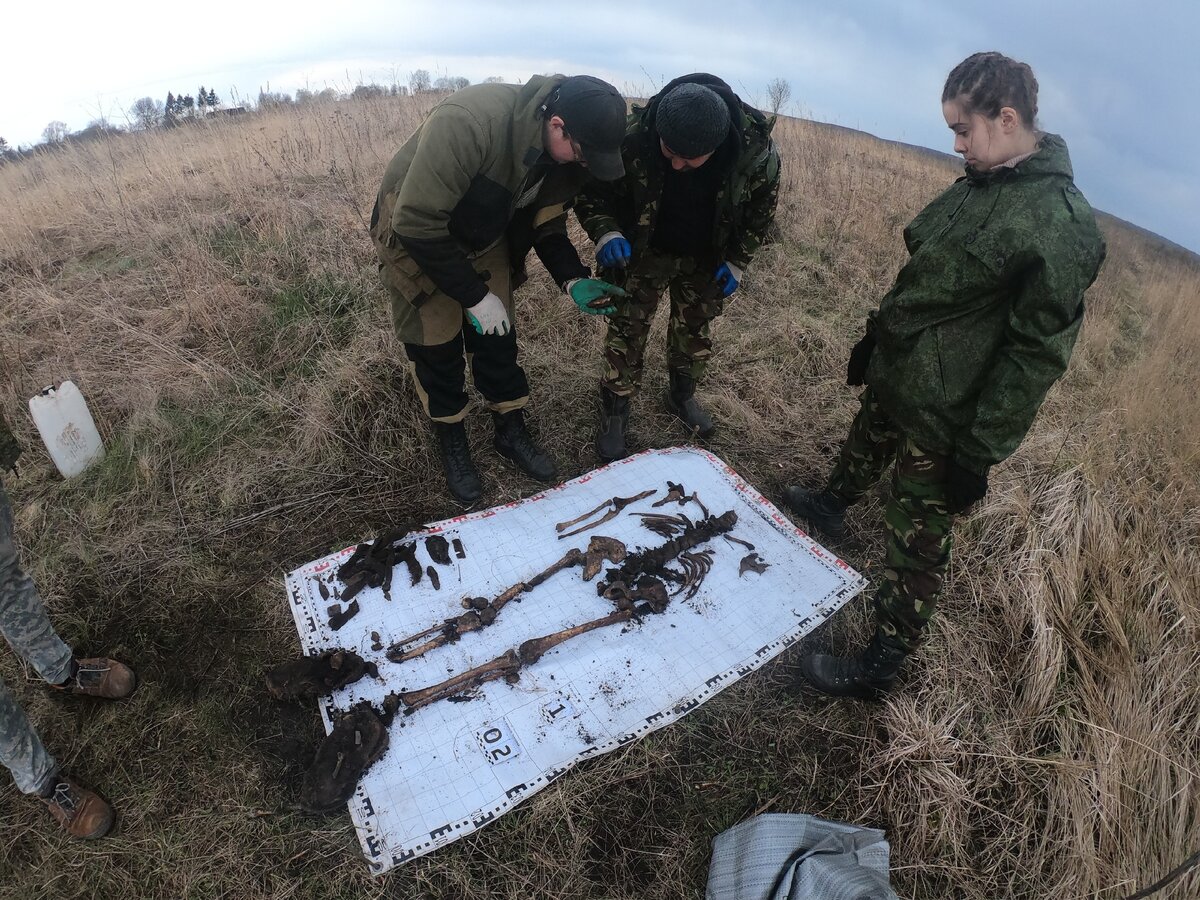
781 856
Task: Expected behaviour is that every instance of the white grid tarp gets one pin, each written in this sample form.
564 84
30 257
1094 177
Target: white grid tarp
452 767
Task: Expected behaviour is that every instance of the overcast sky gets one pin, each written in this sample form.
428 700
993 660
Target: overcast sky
1119 79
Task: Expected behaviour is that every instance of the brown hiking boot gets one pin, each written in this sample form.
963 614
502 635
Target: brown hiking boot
80 811
100 677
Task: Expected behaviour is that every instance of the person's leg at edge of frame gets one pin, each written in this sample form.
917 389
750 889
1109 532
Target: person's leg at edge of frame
868 450
624 355
689 346
27 628
21 750
918 527
80 811
23 618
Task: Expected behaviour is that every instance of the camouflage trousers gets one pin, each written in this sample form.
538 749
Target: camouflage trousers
695 302
917 521
27 629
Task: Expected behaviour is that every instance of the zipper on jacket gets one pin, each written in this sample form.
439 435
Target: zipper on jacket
953 217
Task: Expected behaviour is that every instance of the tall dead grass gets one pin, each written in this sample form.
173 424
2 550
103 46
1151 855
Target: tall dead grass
212 290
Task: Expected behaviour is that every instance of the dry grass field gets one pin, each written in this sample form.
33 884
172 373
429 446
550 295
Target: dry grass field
213 291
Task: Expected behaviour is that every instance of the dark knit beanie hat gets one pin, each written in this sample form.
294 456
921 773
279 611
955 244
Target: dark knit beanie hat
692 120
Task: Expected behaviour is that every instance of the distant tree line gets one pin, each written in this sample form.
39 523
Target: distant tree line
148 113
419 82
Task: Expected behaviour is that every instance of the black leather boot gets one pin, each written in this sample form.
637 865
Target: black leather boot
868 676
515 443
681 401
461 476
614 418
824 510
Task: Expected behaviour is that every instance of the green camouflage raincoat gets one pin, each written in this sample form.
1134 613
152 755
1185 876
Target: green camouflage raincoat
983 317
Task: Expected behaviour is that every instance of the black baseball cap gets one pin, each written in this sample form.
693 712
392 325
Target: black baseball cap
593 112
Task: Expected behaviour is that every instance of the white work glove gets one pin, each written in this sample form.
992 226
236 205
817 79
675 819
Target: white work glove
489 316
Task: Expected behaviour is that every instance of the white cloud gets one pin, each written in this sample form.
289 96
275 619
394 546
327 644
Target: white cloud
1115 78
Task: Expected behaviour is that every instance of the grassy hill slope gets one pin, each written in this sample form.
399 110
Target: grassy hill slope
213 291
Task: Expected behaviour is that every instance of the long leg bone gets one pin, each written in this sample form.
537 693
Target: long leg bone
533 650
482 613
500 667
650 596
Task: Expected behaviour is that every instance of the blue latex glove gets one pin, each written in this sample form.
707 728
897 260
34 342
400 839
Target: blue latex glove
728 276
615 253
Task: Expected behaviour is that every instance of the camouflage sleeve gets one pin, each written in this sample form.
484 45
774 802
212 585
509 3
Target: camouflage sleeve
597 205
1042 327
758 210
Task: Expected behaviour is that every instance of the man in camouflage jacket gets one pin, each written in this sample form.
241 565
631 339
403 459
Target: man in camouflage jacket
699 193
27 629
957 361
489 175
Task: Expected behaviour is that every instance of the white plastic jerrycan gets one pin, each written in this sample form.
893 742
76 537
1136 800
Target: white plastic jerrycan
66 427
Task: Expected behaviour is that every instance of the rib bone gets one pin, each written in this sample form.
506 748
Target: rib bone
654 559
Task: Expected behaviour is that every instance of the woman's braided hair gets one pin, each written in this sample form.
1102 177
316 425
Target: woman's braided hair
987 82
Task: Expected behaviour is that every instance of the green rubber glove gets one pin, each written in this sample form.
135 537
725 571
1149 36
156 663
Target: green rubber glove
594 296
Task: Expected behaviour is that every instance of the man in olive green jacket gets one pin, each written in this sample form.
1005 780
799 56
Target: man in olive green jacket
957 361
490 174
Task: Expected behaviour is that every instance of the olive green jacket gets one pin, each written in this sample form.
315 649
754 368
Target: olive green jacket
10 450
745 204
983 317
452 190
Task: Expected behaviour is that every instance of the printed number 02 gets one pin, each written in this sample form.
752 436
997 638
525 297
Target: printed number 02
491 736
